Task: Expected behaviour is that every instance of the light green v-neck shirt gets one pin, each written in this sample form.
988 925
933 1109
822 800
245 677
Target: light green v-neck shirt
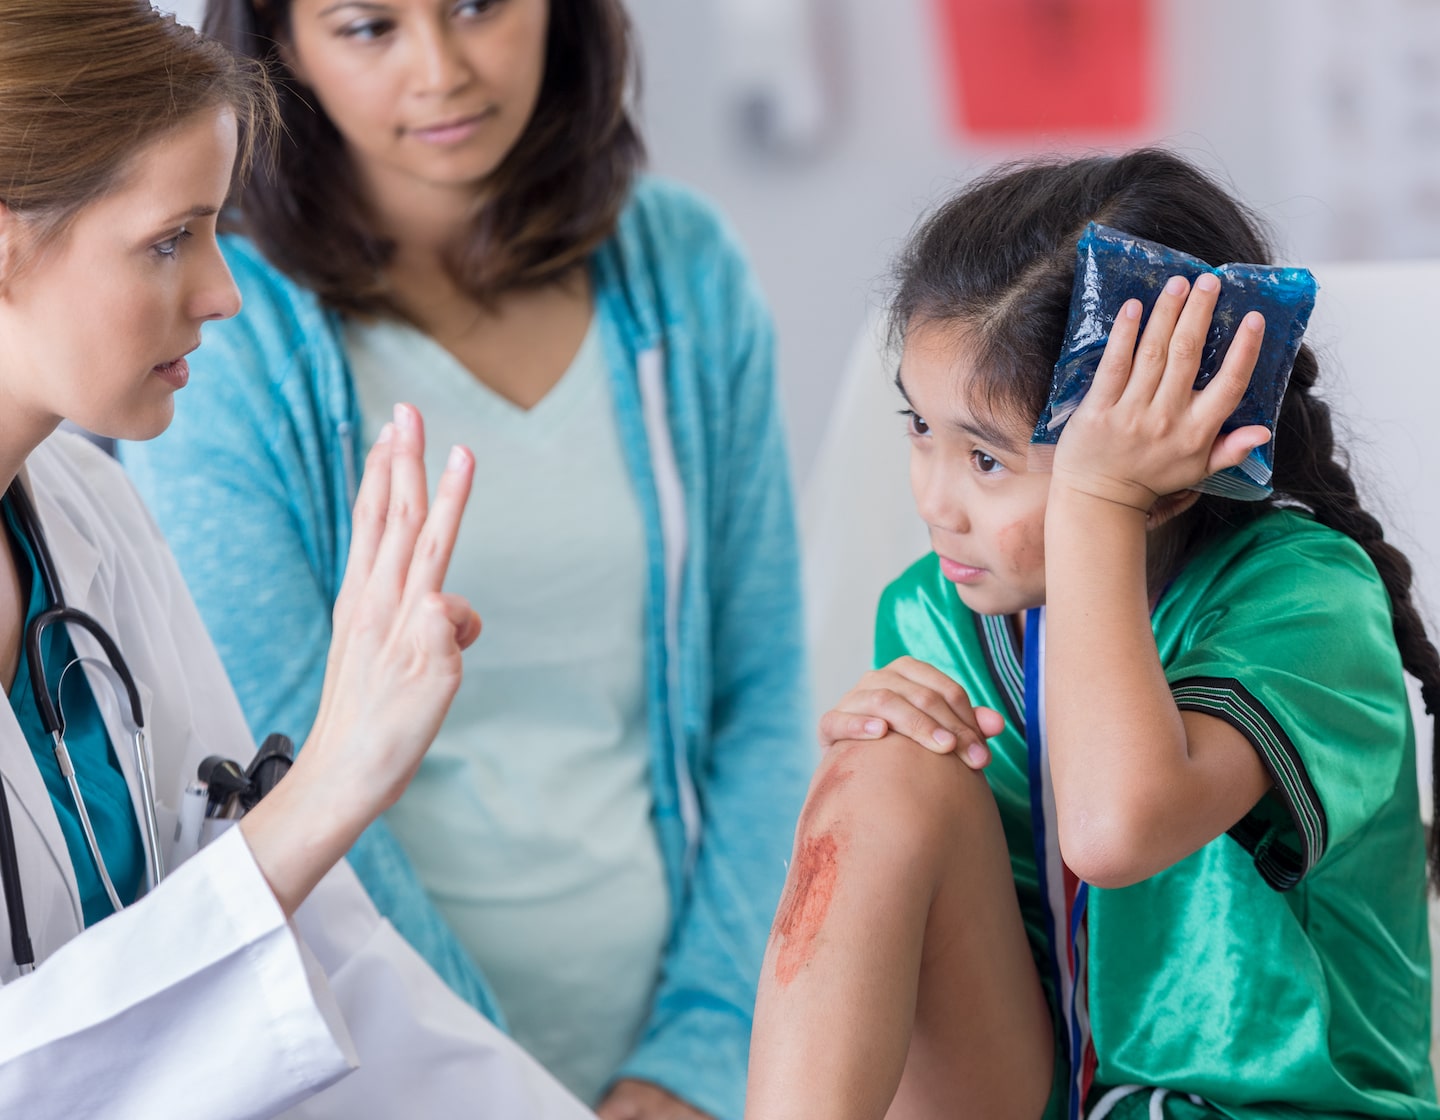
530 819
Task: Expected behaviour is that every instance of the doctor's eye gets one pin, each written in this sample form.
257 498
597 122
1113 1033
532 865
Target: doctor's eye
914 423
170 247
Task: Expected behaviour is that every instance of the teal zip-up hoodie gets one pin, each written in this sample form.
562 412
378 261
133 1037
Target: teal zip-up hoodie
253 483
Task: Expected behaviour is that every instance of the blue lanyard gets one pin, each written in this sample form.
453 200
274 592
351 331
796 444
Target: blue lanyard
1062 904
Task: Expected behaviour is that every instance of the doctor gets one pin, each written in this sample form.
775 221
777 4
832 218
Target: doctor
250 978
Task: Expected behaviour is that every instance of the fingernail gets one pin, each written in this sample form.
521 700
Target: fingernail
874 726
1255 322
457 458
1207 282
387 433
1131 309
405 416
943 737
1175 285
975 754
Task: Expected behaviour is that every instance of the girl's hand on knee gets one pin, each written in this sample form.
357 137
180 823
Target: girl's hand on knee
920 702
1143 431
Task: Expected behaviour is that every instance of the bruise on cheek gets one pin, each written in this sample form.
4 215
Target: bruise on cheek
806 902
1023 544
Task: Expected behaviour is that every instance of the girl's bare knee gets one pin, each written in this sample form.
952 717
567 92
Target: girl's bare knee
895 790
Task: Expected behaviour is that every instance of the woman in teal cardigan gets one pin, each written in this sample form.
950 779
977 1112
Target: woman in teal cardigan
559 274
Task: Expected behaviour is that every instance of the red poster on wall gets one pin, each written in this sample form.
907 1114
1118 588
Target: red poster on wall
1026 67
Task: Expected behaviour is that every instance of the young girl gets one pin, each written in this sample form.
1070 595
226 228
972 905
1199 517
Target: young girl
454 218
1194 882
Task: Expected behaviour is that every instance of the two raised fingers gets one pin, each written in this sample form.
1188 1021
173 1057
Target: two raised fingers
405 514
401 544
367 526
430 557
917 701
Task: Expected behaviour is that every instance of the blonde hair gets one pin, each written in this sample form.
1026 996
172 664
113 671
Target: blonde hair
86 84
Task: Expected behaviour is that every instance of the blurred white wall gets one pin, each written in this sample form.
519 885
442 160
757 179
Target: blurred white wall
1301 103
188 10
1324 114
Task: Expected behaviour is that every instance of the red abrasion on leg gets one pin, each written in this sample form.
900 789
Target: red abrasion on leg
802 913
830 779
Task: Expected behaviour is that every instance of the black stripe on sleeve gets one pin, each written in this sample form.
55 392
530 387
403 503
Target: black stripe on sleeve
1006 682
1227 699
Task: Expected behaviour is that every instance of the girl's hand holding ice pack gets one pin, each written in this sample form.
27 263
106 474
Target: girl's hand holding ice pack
1113 268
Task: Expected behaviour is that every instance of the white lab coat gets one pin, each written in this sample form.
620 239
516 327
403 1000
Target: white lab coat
200 1000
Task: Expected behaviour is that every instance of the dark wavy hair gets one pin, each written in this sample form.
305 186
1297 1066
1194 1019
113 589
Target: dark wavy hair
999 258
552 201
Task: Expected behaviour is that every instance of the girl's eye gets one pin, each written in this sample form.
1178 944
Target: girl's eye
170 247
985 464
914 423
475 7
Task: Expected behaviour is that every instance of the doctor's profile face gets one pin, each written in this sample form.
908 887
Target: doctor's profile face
430 96
95 324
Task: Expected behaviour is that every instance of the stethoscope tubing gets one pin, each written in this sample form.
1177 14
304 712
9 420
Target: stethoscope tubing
50 718
61 614
20 947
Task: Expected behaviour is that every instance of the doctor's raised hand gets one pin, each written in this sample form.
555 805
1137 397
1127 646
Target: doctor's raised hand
393 669
246 974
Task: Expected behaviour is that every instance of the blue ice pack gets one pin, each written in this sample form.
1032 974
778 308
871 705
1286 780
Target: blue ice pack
1113 267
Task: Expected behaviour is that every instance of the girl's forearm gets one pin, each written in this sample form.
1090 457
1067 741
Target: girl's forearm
1118 750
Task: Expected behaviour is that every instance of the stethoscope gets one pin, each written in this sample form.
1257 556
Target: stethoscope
114 669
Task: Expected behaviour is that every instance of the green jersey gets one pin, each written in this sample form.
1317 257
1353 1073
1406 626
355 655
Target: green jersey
1284 968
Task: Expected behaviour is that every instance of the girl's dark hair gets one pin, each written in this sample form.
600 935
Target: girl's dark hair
554 198
999 260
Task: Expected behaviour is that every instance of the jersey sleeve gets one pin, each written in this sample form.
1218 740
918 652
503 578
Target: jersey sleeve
1290 641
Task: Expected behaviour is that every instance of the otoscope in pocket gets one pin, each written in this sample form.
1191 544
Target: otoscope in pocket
232 791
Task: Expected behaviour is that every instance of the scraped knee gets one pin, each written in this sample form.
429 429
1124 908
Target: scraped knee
895 797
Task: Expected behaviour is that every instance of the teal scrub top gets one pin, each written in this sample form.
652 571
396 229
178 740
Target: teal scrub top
97 770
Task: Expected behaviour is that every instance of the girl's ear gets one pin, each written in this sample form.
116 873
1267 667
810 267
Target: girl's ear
1170 507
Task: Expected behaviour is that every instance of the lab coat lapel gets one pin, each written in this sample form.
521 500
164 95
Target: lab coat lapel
51 893
76 559
47 877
